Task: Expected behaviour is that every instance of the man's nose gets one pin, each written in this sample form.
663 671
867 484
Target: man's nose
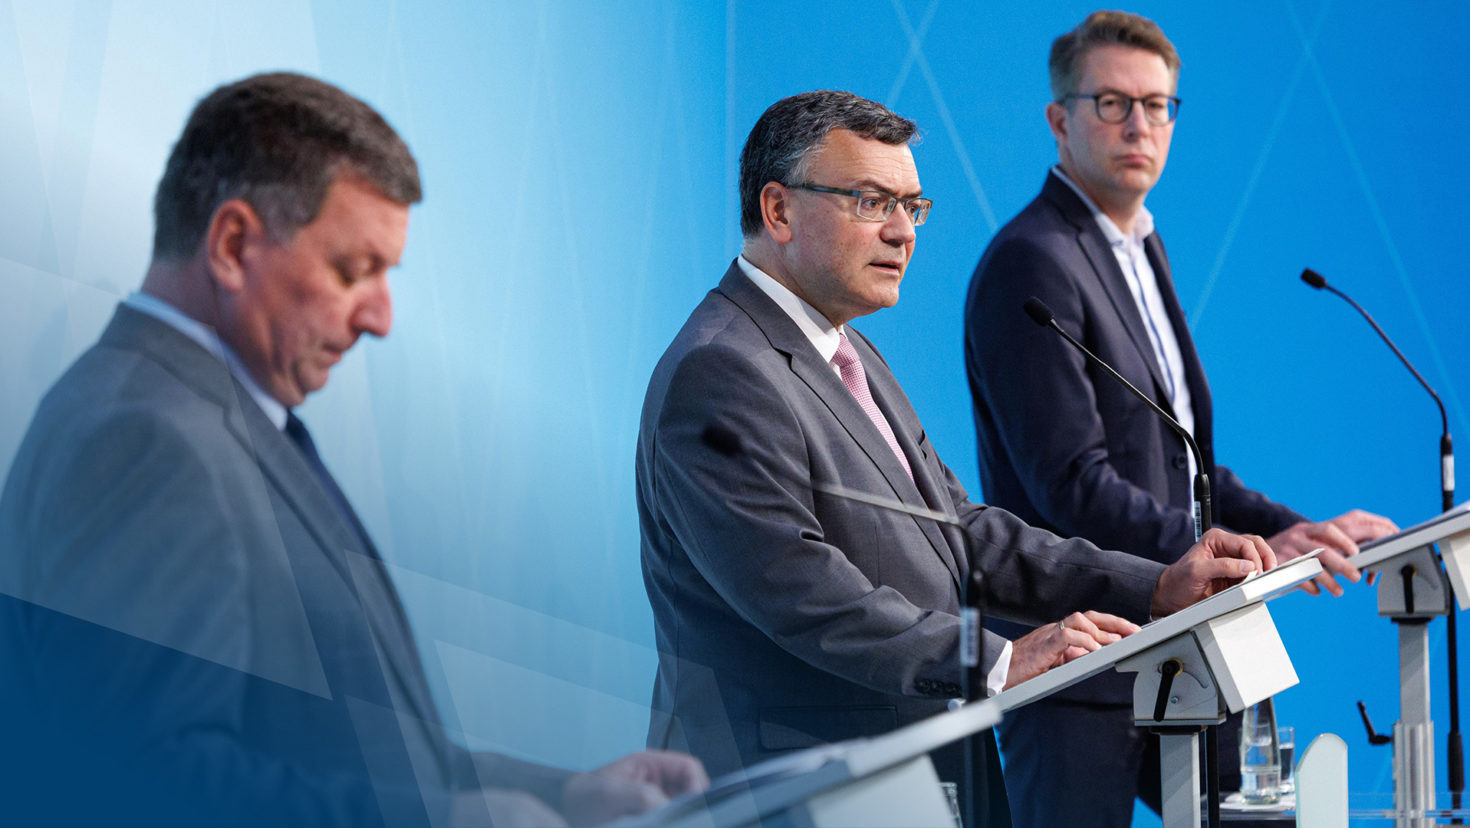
374 314
899 228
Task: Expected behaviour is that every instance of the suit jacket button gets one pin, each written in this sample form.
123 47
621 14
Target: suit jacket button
1181 461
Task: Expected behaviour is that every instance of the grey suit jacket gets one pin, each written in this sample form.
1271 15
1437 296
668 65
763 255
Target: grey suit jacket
786 617
1062 445
193 632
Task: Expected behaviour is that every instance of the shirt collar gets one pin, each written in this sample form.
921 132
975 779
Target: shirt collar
818 329
209 341
1143 225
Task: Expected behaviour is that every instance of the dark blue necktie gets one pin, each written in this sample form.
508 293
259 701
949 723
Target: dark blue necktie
296 430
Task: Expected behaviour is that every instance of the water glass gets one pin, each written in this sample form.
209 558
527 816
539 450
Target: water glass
1286 738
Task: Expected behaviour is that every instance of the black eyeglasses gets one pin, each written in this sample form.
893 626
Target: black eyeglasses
876 205
1115 107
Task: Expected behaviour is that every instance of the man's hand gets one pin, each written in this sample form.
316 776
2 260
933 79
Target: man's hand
1217 561
1339 539
1056 644
631 785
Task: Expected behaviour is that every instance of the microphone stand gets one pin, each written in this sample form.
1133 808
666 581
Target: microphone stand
1203 518
1455 747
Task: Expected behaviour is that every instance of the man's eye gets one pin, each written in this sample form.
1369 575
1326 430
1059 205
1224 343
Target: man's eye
872 201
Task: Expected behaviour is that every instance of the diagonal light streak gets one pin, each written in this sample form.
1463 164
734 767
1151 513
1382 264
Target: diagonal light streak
1381 223
911 56
1277 121
916 47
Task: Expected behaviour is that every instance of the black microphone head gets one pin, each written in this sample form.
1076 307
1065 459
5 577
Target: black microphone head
1313 278
1039 312
722 439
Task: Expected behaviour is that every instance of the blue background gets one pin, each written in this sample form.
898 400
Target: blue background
580 167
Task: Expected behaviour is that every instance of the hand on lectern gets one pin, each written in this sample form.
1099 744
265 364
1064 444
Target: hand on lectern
1219 560
1056 644
1339 539
631 785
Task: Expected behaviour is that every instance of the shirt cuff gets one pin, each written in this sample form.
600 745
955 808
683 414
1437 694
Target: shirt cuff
995 681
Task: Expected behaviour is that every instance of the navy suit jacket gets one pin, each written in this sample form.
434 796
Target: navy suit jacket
193 633
1061 444
786 617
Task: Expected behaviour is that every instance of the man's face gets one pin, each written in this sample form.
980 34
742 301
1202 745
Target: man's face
843 265
1115 164
304 303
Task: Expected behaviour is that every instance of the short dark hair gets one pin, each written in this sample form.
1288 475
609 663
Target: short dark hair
278 141
780 144
1105 28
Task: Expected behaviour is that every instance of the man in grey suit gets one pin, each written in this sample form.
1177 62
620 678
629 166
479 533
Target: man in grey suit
196 627
1072 450
786 616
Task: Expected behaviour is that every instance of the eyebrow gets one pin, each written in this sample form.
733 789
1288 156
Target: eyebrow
1110 91
870 184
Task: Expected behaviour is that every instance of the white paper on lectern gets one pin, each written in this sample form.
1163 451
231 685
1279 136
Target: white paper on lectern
1259 587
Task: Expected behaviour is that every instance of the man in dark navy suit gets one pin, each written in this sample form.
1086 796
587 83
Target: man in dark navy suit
1065 447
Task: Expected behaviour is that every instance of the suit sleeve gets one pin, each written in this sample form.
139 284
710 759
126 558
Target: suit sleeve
1243 509
1040 394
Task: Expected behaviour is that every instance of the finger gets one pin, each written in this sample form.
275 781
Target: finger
1224 545
1221 569
1071 653
1331 536
1338 564
1310 588
1267 558
1079 621
1080 638
1119 627
1365 526
1329 583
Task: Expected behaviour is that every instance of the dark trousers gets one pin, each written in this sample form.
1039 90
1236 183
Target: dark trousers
1069 764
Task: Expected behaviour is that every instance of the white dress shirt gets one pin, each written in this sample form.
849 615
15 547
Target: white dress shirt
1143 283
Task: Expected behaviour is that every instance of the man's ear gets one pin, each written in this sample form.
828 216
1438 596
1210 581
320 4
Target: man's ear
233 230
1056 118
776 212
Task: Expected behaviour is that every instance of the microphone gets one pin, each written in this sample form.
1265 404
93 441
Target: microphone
1203 517
1456 752
1446 445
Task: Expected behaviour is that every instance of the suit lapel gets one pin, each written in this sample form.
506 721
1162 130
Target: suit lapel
288 473
1194 371
823 381
1099 253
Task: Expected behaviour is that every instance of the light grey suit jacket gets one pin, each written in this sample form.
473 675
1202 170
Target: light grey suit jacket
787 617
193 632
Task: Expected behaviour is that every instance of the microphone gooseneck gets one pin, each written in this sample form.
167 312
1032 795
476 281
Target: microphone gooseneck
1203 516
1456 753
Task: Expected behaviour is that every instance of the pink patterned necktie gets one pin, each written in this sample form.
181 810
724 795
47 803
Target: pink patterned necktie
856 379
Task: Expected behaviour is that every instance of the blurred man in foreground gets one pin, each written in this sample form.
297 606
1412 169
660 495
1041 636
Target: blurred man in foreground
197 628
